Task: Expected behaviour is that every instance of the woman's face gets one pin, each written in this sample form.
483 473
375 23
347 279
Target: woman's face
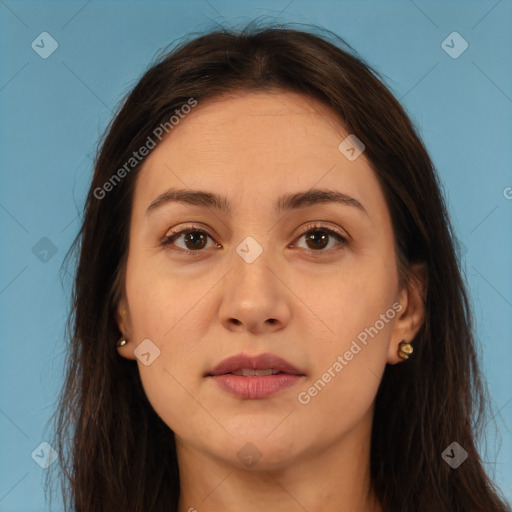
272 269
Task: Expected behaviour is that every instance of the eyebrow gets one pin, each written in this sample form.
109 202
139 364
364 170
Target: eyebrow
286 202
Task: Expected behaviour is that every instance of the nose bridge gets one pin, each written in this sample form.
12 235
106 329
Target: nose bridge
252 258
253 296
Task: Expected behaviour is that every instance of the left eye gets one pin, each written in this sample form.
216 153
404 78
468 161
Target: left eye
319 237
195 240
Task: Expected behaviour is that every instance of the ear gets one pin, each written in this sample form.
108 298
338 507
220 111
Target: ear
124 325
410 318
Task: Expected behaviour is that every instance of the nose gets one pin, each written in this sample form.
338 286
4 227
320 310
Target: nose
255 298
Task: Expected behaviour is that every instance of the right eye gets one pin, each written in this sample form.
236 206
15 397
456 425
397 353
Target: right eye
193 238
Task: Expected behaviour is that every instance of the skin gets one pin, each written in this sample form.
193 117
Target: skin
200 309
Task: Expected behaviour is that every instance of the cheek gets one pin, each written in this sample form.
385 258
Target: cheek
174 319
160 297
167 310
358 311
346 303
348 366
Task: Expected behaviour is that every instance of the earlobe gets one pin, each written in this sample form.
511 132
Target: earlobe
124 347
412 316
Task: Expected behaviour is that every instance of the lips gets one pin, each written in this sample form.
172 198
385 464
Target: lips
257 377
247 366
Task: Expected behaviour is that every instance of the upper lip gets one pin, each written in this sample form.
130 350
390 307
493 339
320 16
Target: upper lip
259 362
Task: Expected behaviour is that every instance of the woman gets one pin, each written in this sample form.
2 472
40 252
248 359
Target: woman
268 311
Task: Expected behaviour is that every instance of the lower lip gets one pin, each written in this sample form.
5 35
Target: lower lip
255 387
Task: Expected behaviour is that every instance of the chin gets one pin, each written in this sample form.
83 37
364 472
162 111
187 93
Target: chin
257 451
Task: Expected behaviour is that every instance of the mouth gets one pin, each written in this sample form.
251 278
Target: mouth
250 372
249 366
254 377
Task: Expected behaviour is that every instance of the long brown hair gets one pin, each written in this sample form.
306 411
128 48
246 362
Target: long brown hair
116 454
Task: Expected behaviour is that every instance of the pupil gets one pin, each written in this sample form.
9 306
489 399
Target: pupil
198 240
316 239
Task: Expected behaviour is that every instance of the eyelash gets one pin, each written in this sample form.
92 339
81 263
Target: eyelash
171 238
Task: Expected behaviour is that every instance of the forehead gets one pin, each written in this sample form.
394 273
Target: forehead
251 121
255 145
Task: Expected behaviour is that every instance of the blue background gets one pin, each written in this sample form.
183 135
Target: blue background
54 110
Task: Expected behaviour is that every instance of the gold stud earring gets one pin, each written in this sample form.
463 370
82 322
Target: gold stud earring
404 349
122 343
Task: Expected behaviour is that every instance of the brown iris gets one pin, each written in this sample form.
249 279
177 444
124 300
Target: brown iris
197 239
319 239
